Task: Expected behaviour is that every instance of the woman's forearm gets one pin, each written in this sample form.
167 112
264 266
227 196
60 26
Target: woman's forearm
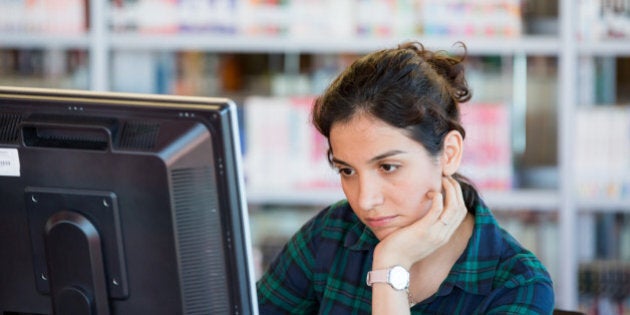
386 300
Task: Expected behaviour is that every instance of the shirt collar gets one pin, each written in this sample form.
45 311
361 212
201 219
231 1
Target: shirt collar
360 237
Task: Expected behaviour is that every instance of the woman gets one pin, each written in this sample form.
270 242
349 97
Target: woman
413 236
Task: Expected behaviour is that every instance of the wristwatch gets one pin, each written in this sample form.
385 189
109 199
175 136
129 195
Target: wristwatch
397 277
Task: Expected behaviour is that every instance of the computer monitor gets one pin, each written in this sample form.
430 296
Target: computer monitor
114 203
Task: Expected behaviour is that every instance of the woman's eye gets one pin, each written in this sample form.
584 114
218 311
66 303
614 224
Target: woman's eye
345 171
388 168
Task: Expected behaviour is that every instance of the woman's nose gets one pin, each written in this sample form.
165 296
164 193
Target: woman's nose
370 193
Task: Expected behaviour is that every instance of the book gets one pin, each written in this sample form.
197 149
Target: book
44 16
284 151
502 18
487 157
601 19
602 147
321 18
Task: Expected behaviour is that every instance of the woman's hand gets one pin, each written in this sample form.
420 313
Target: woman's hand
418 240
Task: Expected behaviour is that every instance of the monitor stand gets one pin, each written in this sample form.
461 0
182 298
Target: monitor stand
75 265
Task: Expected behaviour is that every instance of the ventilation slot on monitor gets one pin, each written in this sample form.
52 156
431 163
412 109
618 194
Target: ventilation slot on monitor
62 137
139 135
205 287
9 128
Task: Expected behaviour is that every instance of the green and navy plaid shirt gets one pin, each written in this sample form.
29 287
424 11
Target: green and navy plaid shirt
322 270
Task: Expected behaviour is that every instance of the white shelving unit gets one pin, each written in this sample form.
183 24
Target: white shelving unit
44 41
99 42
567 295
541 45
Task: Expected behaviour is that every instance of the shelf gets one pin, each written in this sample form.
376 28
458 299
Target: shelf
611 47
528 199
591 205
306 198
541 45
542 200
13 40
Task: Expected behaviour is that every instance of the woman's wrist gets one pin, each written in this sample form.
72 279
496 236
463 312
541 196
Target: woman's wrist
386 300
383 259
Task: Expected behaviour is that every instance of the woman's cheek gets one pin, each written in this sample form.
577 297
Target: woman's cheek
425 205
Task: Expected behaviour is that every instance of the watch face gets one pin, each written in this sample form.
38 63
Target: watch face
399 278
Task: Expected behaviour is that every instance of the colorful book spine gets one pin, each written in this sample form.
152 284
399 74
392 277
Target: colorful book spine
472 18
43 16
284 151
487 158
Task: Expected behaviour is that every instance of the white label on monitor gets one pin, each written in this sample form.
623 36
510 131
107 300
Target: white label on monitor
9 162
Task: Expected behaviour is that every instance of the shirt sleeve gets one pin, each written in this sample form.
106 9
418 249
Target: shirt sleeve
524 287
535 297
286 287
521 283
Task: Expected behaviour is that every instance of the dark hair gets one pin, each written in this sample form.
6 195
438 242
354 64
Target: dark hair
408 87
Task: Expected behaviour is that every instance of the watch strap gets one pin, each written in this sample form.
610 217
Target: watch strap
377 276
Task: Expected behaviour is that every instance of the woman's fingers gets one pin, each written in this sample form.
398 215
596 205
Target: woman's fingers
426 235
437 206
450 199
454 206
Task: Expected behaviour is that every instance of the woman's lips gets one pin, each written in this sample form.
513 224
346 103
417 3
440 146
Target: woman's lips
380 221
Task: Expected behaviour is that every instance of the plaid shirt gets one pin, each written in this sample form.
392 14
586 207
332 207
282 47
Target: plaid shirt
323 267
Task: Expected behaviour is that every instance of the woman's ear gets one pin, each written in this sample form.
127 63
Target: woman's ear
452 152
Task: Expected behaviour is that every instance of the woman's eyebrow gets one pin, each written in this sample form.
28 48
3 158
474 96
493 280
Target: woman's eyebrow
338 161
386 155
372 160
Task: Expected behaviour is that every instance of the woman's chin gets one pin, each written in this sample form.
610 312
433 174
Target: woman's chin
382 233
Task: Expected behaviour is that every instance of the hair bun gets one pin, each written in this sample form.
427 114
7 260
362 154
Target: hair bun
451 69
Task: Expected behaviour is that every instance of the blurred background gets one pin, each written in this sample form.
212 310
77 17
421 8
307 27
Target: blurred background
548 128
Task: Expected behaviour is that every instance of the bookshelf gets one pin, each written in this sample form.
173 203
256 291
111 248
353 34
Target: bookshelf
562 46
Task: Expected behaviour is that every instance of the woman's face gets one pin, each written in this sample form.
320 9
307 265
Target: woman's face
385 175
